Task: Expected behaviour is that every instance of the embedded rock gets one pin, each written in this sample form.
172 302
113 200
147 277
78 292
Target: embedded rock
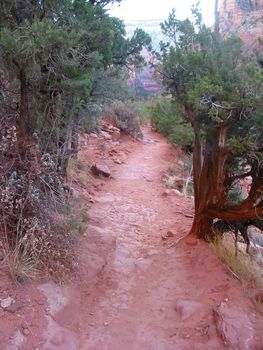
14 307
100 169
187 308
5 303
234 327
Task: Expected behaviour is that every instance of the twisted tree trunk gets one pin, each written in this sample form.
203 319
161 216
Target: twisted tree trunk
210 185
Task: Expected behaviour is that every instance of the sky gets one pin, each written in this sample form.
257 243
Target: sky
159 9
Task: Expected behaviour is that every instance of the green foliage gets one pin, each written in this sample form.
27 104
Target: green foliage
143 107
212 83
235 194
90 117
58 65
68 51
219 92
166 118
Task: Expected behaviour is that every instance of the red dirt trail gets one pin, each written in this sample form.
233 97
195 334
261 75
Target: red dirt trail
133 291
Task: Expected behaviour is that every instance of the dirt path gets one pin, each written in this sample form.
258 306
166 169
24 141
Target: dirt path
134 292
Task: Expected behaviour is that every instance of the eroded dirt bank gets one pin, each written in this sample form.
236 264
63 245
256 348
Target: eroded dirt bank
133 292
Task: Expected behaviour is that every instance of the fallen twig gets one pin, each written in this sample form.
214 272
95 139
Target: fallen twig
178 241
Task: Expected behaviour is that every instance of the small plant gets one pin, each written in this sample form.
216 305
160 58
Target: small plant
236 194
143 107
167 120
170 182
125 116
181 177
90 118
85 217
19 261
76 225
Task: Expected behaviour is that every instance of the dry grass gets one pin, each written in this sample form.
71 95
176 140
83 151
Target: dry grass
241 266
19 262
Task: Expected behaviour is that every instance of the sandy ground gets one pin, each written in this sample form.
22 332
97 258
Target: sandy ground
134 290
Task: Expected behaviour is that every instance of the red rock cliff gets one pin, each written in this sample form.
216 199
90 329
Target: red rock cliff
245 19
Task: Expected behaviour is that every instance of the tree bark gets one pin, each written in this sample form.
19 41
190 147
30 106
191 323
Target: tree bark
210 187
197 162
216 13
202 223
210 184
75 136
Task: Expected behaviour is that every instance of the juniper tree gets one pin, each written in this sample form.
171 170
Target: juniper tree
49 53
219 92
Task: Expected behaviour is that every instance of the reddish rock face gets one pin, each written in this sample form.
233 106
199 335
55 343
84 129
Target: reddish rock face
245 19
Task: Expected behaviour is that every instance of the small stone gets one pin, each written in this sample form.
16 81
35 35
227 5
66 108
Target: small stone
117 161
100 169
106 135
191 240
178 193
105 324
26 331
17 305
166 193
168 235
115 135
186 308
6 302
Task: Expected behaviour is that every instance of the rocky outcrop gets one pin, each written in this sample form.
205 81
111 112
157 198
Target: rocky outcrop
245 19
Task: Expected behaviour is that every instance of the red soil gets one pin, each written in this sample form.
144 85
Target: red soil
133 289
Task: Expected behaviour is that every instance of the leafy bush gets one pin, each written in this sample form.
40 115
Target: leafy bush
90 117
144 108
125 116
166 119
